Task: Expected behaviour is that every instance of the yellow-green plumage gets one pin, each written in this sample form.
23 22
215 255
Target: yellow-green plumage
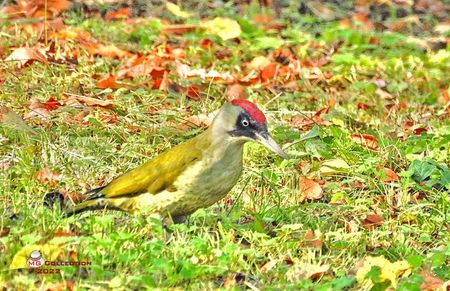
189 176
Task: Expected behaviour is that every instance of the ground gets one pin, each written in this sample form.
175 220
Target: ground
359 103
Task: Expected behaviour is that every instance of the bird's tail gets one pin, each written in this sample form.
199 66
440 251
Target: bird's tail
93 200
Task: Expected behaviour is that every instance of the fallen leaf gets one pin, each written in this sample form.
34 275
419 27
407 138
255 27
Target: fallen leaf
268 266
366 140
223 27
372 221
36 8
201 120
94 101
332 167
301 271
391 176
108 82
45 175
4 232
206 43
431 282
176 10
51 104
123 13
310 240
389 271
109 51
26 55
179 28
236 91
269 72
61 286
420 130
309 189
444 98
37 109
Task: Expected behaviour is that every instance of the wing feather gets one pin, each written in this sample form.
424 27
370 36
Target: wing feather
159 173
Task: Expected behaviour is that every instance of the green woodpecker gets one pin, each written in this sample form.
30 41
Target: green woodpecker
189 176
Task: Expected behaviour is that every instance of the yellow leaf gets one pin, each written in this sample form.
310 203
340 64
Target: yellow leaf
176 10
332 167
48 252
389 271
225 28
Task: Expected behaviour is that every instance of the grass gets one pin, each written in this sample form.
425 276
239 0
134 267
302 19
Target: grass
262 235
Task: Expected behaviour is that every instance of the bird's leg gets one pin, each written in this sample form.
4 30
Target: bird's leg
169 220
180 219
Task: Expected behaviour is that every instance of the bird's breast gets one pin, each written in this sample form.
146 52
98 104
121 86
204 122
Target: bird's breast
208 180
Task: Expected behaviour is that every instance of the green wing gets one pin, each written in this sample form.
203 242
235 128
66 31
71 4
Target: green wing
159 173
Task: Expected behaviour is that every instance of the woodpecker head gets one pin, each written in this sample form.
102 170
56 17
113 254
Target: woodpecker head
243 121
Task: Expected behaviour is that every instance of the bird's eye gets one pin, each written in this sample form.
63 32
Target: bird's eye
245 122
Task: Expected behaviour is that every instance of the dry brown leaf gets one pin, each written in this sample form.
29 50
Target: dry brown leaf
62 286
431 282
309 189
47 176
306 271
268 266
372 221
366 140
95 102
311 240
236 91
37 109
26 55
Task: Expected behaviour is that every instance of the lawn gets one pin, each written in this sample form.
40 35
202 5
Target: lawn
359 102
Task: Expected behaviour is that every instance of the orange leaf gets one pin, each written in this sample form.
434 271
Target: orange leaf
179 28
444 98
366 140
47 176
51 104
123 13
269 72
193 92
109 51
108 82
391 176
310 189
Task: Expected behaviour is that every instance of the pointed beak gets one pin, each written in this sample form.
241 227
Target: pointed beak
268 141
